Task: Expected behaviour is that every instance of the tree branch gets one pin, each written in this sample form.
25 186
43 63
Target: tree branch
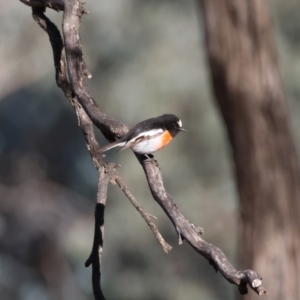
110 128
106 171
54 4
77 90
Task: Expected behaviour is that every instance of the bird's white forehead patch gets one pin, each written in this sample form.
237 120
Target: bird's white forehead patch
179 123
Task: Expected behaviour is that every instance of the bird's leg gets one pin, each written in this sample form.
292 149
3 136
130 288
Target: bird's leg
150 158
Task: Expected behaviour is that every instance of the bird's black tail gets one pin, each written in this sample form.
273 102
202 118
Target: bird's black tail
111 146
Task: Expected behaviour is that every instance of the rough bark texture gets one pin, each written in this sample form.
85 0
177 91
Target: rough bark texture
248 88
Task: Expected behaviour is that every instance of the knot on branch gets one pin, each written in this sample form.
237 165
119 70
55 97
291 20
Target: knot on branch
251 278
198 229
255 282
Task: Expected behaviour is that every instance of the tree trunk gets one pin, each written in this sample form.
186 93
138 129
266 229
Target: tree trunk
248 88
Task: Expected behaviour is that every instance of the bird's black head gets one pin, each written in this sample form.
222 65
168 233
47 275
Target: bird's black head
172 123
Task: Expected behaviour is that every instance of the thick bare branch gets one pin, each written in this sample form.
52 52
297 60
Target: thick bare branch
110 128
113 129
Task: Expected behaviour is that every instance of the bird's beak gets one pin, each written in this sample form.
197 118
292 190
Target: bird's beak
182 129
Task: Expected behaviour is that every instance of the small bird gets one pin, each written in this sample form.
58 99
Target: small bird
149 136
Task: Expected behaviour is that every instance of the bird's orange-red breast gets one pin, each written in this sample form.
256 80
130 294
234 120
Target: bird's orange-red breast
150 135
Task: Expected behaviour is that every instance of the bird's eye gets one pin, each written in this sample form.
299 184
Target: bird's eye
174 124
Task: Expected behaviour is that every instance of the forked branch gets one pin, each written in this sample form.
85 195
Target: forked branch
107 172
78 93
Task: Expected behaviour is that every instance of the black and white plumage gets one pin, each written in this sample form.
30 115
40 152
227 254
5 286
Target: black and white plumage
149 136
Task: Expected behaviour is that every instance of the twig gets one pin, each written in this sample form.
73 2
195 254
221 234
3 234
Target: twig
166 247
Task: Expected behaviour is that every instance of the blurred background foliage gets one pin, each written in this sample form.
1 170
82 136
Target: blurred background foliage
147 58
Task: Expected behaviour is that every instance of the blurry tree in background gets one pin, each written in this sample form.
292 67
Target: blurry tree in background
248 88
